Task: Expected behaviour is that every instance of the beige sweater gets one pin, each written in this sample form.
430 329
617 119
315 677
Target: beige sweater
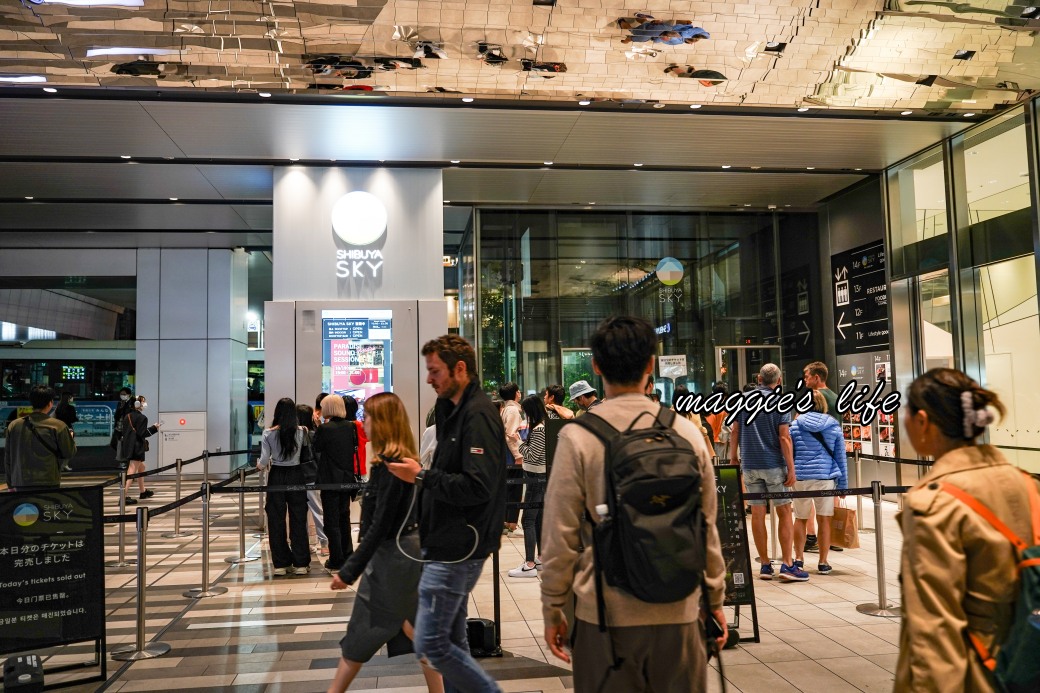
576 484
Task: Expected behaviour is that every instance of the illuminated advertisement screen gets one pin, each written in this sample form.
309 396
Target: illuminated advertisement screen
356 353
73 372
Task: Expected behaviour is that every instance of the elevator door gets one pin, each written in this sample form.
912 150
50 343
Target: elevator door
739 365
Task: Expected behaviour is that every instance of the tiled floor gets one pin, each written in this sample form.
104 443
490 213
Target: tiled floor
281 634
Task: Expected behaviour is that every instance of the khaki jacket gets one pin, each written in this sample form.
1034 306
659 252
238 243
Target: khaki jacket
576 485
957 572
27 462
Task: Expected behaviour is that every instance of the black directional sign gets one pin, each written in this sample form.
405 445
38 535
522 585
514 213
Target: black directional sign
860 300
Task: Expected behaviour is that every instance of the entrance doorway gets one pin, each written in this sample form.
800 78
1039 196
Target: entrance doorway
738 365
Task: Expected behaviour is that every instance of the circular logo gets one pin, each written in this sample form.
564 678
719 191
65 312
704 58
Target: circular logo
669 271
359 218
26 514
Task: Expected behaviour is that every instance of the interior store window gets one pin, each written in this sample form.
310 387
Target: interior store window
549 278
936 328
1011 341
917 214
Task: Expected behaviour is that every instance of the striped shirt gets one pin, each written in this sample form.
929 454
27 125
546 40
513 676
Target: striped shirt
533 450
760 440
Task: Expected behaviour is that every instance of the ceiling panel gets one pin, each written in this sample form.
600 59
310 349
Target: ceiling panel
240 182
644 188
105 181
118 217
146 239
56 127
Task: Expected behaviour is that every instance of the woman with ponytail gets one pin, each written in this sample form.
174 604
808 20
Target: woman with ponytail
958 573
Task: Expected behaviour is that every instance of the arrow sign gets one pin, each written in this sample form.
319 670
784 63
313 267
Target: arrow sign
841 274
806 332
841 325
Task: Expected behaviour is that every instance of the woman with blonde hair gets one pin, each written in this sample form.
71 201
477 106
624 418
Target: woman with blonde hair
959 573
388 555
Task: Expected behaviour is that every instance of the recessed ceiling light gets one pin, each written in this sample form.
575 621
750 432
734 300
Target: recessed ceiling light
906 113
50 90
810 168
637 164
968 101
174 199
968 115
382 161
548 163
456 161
294 160
725 166
659 105
963 54
747 204
695 105
264 95
787 205
124 156
755 168
447 202
592 203
584 102
28 197
467 99
858 169
332 160
22 79
803 109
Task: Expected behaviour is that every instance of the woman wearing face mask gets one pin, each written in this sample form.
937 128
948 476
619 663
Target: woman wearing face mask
958 573
134 445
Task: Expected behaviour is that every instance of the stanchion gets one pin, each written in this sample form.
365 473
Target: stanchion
882 608
121 562
206 590
261 514
859 484
177 511
205 477
138 651
242 556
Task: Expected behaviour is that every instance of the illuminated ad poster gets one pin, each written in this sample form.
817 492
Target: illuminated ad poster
52 582
356 353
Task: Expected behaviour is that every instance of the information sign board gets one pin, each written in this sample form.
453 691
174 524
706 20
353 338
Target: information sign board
52 581
860 300
732 526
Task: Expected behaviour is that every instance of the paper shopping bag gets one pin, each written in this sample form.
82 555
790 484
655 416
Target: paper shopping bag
843 528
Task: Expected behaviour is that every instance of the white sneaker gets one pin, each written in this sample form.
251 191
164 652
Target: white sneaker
537 564
302 571
279 572
524 571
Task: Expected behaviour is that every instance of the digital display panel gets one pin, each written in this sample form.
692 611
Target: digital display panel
73 372
356 353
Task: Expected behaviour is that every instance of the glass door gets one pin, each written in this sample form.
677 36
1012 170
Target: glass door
739 365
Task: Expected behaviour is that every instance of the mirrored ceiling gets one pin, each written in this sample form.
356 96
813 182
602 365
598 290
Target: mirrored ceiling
867 55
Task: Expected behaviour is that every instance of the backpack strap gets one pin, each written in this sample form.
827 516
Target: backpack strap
986 514
35 431
819 438
598 426
1034 506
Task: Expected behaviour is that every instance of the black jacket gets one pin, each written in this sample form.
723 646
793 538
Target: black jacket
135 430
388 500
466 484
336 445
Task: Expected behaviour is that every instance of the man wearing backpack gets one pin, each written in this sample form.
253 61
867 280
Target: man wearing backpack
645 642
37 445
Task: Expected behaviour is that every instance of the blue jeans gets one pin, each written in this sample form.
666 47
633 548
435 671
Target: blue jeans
440 626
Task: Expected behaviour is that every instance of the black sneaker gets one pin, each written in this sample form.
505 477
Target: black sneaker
145 495
837 548
131 501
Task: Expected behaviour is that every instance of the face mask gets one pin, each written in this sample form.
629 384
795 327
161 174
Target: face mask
144 405
124 398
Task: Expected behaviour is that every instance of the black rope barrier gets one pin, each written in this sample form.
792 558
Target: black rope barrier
897 460
163 509
118 519
353 486
223 453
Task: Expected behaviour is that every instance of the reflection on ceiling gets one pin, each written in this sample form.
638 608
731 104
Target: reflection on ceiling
925 57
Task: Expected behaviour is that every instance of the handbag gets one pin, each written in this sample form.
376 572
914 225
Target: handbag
843 527
308 465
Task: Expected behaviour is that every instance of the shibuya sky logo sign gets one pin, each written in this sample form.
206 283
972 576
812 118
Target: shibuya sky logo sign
359 219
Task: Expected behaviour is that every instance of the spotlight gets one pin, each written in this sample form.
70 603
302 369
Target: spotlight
803 109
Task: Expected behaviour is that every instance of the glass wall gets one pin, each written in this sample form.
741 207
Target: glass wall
547 278
994 314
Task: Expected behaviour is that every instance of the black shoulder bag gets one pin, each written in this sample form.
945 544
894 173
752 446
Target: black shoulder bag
36 432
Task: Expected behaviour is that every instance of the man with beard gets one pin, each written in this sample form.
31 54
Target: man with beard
462 500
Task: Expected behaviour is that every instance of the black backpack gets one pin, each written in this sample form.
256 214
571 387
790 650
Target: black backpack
651 543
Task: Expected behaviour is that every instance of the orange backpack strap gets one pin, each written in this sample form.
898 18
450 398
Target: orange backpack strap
988 660
1034 506
986 514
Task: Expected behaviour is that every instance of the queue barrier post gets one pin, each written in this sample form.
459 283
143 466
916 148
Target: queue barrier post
176 533
260 508
206 590
242 556
121 562
882 608
138 651
859 484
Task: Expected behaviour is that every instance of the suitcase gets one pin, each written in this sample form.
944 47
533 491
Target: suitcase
481 635
24 674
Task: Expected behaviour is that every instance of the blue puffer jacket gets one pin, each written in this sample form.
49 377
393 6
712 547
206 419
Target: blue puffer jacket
811 460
